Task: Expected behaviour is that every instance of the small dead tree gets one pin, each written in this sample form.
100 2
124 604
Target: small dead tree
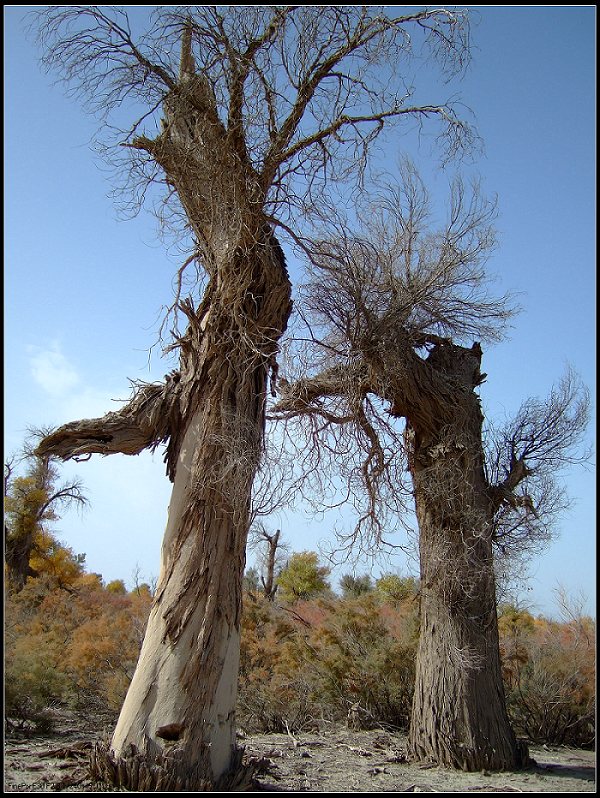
391 309
251 116
270 558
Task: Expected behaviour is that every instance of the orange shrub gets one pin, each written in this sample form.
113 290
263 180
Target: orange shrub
549 673
314 661
77 646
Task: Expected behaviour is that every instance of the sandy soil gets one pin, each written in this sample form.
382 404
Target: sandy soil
339 760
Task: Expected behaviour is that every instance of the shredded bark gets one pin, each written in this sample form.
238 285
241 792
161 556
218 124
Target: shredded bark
163 773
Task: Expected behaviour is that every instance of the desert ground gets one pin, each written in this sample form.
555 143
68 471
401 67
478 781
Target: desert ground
330 760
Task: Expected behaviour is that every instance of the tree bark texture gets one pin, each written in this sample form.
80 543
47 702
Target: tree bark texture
17 553
176 730
459 716
185 684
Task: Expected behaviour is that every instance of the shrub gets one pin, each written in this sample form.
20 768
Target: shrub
75 647
314 661
358 661
270 699
549 672
33 685
354 586
33 680
396 589
303 577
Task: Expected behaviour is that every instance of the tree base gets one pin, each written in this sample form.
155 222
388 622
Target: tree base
471 761
523 758
139 772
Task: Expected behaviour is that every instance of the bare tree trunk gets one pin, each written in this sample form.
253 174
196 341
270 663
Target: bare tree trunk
176 730
268 582
17 553
233 146
178 716
459 716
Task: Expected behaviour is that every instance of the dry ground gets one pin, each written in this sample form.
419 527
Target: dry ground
338 760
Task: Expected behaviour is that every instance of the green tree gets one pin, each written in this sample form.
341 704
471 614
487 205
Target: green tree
303 577
395 589
251 581
117 586
353 586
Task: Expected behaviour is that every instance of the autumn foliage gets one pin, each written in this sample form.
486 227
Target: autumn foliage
549 676
75 647
73 641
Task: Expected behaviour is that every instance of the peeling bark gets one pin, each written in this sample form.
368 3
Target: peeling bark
459 716
211 416
152 417
188 666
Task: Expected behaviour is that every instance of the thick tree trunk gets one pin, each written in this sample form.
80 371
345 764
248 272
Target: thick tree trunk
17 553
178 716
459 716
177 729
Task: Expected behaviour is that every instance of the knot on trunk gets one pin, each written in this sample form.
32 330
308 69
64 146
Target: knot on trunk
171 731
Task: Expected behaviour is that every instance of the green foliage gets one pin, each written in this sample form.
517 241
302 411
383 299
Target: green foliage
33 681
395 589
117 586
354 586
303 577
251 581
269 699
361 662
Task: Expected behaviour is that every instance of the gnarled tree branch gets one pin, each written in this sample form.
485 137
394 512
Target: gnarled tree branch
147 420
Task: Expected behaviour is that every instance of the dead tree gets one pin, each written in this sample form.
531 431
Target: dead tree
269 559
391 311
253 115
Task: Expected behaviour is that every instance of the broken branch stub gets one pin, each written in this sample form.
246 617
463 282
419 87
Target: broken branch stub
146 421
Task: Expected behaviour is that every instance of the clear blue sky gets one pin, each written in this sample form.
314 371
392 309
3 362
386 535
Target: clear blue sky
84 290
